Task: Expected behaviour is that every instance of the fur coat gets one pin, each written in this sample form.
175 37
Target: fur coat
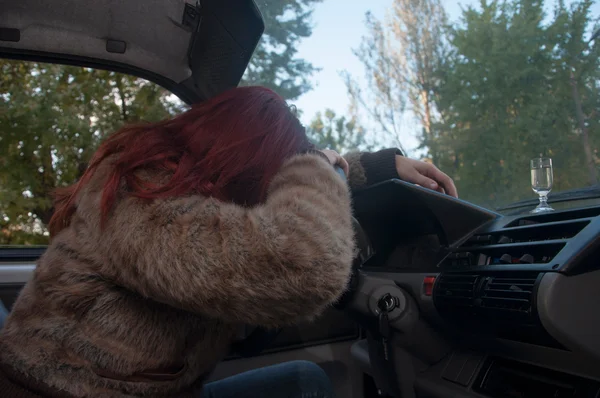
148 305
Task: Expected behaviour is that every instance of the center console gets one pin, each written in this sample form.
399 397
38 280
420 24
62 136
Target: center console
529 243
489 282
516 296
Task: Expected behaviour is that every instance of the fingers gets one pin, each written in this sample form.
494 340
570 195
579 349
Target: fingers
439 189
344 165
331 155
337 160
425 175
447 184
442 180
425 182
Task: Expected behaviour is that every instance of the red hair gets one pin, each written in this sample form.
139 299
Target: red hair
228 147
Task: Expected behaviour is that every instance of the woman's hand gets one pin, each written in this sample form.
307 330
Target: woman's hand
425 175
336 160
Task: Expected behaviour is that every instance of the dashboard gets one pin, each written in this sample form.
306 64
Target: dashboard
511 291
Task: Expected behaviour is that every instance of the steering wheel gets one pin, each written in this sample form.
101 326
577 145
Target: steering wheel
258 338
365 252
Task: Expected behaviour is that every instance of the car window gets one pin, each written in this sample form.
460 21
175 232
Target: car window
52 118
476 87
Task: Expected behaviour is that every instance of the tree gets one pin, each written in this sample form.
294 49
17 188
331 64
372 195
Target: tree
402 57
53 117
341 134
582 64
507 98
492 92
274 63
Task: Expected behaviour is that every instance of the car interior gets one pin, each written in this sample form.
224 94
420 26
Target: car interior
447 299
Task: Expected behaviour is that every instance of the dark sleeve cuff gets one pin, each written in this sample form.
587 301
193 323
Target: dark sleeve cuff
380 166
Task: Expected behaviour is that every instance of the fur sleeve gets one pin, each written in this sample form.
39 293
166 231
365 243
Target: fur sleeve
270 265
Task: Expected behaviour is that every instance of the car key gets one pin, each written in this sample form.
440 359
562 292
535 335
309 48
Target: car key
384 323
384 332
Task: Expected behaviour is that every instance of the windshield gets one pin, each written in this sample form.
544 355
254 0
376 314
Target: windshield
479 88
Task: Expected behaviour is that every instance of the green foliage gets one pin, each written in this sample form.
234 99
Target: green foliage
274 63
53 117
507 97
341 134
506 84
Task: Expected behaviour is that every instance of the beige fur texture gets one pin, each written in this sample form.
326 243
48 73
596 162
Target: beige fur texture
167 283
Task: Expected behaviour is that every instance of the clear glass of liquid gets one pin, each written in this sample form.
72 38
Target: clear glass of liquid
541 182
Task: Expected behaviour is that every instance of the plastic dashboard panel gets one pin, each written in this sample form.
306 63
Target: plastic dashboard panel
520 290
561 241
397 207
474 239
496 276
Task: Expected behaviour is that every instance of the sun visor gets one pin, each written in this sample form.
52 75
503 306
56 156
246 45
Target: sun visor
223 40
194 48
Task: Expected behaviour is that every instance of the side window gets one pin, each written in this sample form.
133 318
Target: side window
52 118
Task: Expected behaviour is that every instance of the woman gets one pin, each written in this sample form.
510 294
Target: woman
178 234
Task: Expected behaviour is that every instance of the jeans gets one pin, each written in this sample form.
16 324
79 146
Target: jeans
295 379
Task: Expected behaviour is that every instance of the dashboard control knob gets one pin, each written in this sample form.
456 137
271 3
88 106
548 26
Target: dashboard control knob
504 240
483 259
526 259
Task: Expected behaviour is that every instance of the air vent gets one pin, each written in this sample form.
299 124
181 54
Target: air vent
509 254
508 293
457 290
489 297
498 304
559 230
533 241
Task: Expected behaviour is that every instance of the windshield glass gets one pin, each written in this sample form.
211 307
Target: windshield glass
479 88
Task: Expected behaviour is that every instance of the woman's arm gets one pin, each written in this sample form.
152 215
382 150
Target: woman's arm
271 265
368 168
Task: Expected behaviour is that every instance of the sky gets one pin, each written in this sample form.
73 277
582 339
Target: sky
338 28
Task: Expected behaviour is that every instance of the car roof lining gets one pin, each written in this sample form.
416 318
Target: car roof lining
156 42
193 60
